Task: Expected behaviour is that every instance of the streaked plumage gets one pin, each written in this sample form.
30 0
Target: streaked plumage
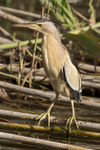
58 65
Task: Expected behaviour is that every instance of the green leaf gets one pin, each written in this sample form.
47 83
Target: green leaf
85 41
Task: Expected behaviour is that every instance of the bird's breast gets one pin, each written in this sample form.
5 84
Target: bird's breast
50 57
53 56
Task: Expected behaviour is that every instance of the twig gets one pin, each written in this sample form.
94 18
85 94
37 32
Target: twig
5 33
46 94
26 127
3 66
43 9
88 68
39 142
48 9
15 44
15 77
52 130
4 94
33 60
87 81
12 18
20 64
40 77
4 40
21 12
82 66
38 72
81 16
54 120
89 125
86 133
26 77
91 84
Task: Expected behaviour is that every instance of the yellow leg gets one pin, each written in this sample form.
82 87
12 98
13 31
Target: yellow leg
71 119
42 116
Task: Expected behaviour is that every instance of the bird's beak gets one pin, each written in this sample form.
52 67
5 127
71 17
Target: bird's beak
27 25
36 25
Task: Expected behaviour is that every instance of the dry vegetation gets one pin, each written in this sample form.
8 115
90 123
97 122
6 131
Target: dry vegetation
25 91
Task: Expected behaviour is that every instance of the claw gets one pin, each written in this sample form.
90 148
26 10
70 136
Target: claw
42 116
69 123
71 119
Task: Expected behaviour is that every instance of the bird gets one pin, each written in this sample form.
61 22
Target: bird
60 67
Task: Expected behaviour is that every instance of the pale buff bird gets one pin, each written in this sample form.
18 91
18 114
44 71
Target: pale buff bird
59 66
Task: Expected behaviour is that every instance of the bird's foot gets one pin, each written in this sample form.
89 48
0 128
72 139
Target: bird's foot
42 116
69 123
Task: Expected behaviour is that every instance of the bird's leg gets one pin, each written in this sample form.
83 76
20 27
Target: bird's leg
43 115
73 118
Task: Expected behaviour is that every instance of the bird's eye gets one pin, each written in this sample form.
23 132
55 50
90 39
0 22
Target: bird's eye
40 25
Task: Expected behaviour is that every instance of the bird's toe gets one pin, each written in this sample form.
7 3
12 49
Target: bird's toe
42 117
69 123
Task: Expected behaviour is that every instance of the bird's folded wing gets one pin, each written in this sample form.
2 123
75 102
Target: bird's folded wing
72 78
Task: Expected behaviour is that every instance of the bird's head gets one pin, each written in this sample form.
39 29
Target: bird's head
43 26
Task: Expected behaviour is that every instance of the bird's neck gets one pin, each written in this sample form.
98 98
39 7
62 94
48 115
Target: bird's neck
45 54
44 44
51 52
